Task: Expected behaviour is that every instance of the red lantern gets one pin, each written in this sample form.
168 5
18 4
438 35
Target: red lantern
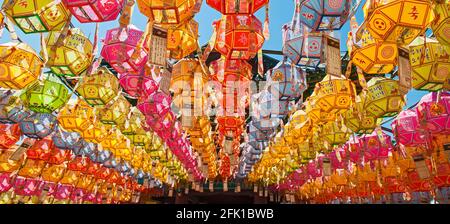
9 135
237 7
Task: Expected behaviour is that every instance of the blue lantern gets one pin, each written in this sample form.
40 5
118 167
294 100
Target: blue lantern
286 81
65 140
38 125
11 110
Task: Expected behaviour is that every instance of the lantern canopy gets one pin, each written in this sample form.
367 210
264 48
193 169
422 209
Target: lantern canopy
237 7
38 16
46 96
327 14
19 65
95 10
430 64
182 40
169 12
383 97
116 112
69 55
38 125
119 49
99 88
359 120
239 36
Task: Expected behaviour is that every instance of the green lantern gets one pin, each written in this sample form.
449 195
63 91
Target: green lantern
45 96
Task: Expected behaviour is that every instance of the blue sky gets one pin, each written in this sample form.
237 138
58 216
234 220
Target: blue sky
281 12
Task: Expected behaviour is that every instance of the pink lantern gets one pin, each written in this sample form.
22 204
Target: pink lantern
27 187
163 124
406 129
6 182
119 48
433 112
338 159
94 10
353 148
137 85
63 192
375 146
156 104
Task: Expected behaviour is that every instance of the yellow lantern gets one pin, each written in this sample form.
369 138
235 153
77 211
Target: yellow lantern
182 40
398 21
100 88
169 12
115 113
69 55
19 65
96 133
441 23
76 117
306 152
375 56
314 112
383 97
430 64
335 94
37 16
358 120
335 133
133 130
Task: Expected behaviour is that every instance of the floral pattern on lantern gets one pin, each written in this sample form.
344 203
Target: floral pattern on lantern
46 96
70 56
38 16
87 11
383 97
19 65
169 12
239 36
139 84
119 49
38 125
99 88
430 64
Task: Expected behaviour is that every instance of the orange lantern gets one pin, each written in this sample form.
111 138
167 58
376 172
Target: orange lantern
169 12
19 65
441 23
182 40
76 117
239 36
116 112
9 135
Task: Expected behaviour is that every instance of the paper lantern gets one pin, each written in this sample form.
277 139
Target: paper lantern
9 135
38 125
335 94
11 110
360 121
19 65
182 40
408 17
303 47
116 112
32 168
65 140
383 97
229 71
239 36
76 117
376 146
406 129
6 164
138 85
99 88
95 133
169 12
37 16
70 56
433 112
94 10
237 7
430 64
156 104
375 56
286 81
327 14
119 49
440 25
335 133
315 113
46 96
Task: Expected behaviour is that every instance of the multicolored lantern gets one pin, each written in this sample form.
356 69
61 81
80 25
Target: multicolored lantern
38 125
327 14
433 112
408 17
87 11
182 40
19 65
237 7
440 24
430 64
119 49
239 36
99 88
169 12
69 54
37 16
46 96
406 129
383 97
